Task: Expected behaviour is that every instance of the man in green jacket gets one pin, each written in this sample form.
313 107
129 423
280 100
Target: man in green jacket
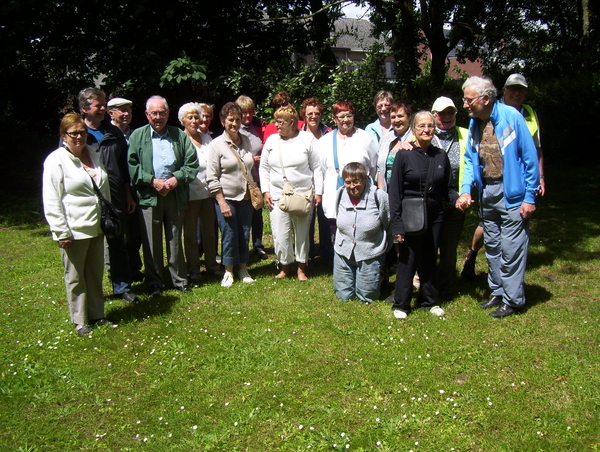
162 162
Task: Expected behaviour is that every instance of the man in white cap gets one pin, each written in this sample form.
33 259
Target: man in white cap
119 110
515 91
501 160
453 140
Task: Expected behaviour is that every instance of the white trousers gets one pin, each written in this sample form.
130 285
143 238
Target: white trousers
290 235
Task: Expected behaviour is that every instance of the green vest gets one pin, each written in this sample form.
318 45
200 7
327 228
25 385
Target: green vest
462 144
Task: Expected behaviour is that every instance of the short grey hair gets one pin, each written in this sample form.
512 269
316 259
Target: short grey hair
421 113
186 108
150 99
484 85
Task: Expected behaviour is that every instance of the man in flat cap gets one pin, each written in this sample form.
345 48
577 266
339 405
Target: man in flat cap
119 110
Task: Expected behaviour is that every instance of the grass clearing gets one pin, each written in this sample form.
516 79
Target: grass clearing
284 366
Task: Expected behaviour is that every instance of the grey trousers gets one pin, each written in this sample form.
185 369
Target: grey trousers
506 237
164 215
84 269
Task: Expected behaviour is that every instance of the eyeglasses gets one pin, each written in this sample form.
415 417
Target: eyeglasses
159 114
281 122
342 117
425 127
469 101
352 183
382 106
77 133
316 113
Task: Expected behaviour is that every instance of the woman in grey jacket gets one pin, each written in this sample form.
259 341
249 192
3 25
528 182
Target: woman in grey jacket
362 238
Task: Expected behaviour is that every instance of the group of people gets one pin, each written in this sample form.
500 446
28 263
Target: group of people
182 183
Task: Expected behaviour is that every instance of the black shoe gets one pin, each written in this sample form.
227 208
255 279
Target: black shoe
390 297
130 297
262 255
503 311
138 276
492 303
155 291
184 289
468 271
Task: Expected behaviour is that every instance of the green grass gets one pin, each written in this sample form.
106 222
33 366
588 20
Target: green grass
284 366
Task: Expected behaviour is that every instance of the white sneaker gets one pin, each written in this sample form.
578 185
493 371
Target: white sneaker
436 310
399 314
245 276
227 280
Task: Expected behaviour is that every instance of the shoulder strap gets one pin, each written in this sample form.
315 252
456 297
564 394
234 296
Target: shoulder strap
281 158
242 167
335 159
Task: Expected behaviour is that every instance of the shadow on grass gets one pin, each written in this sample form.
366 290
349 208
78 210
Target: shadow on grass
145 308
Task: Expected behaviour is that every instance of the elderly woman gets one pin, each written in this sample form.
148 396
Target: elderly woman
72 210
290 155
206 116
391 143
382 102
422 172
344 145
362 238
311 111
252 127
229 163
201 205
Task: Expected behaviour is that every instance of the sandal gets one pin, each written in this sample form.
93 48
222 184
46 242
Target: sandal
83 330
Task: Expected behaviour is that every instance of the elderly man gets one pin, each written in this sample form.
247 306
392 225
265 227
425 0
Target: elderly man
119 110
453 140
501 160
162 162
515 91
108 141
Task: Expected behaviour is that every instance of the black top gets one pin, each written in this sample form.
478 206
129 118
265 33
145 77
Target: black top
409 179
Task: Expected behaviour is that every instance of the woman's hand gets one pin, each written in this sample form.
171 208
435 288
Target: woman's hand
269 200
66 243
225 209
464 201
317 200
399 238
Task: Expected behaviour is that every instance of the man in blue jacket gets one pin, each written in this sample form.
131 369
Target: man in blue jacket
501 161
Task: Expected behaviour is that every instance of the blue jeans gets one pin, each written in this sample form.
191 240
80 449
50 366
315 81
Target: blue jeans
235 232
356 279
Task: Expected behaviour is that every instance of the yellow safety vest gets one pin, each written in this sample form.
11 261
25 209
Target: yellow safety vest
530 119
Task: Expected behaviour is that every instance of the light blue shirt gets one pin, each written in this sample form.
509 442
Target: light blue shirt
163 157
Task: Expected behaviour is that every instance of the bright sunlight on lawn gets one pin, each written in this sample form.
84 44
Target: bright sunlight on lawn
284 366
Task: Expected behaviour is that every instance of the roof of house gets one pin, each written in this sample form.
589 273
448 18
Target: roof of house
353 34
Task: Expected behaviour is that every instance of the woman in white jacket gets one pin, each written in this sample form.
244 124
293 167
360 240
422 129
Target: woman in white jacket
73 212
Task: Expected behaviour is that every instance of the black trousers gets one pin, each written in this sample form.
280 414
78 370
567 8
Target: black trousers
418 253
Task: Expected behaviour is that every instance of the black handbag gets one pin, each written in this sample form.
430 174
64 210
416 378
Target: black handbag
414 210
110 222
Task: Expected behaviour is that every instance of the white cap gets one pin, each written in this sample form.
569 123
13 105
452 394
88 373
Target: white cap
118 102
516 79
441 103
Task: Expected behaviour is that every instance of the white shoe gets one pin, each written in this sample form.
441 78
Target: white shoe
245 276
436 310
399 314
227 280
